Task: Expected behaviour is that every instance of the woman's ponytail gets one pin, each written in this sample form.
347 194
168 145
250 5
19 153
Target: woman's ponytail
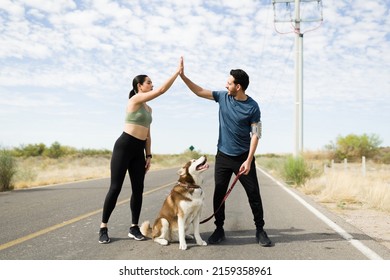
132 93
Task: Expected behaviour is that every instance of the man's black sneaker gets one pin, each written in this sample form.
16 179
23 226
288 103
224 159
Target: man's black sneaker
262 238
217 236
135 233
103 236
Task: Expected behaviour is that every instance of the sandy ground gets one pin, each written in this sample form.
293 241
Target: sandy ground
375 224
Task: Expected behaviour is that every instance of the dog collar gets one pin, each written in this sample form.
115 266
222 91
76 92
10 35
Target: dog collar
189 186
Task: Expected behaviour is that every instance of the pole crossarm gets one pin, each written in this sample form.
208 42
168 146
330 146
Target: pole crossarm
292 1
300 19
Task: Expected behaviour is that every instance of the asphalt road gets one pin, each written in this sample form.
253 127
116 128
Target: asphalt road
61 222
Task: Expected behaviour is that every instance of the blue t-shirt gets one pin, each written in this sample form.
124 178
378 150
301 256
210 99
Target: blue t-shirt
235 119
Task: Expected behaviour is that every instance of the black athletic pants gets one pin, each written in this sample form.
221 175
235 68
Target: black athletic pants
225 166
127 156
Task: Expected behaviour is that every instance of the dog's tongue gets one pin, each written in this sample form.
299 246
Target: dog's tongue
204 166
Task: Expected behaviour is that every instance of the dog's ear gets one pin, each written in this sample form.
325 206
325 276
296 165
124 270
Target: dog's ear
181 171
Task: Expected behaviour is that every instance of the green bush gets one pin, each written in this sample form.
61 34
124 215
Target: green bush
7 170
354 147
386 158
296 171
94 152
56 150
30 150
383 156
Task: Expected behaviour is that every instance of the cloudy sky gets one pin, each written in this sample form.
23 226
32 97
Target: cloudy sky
66 68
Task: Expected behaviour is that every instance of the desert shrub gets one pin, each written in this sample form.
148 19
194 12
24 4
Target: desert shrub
56 150
296 171
353 147
383 156
94 152
7 170
30 150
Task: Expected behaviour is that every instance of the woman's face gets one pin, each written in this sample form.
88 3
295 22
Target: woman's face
146 86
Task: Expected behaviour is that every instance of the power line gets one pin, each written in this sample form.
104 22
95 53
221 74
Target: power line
270 71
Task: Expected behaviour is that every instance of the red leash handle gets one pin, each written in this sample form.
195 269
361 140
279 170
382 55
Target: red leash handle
224 198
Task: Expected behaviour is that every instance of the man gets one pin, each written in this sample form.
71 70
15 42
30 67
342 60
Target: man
239 134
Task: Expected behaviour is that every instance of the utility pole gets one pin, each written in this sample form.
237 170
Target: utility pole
298 102
298 146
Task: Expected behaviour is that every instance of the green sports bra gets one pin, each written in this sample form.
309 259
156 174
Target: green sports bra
139 117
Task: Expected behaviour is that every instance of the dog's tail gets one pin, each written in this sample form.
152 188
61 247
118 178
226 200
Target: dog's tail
146 229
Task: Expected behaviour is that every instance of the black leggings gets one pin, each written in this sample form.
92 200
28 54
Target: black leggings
225 166
128 155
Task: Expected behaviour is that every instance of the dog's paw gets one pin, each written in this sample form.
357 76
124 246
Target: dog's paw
183 247
201 243
163 242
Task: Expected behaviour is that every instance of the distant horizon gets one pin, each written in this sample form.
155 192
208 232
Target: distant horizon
184 151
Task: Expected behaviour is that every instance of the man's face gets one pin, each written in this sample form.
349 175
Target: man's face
231 86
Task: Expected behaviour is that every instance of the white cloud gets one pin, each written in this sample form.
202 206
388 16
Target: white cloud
57 6
12 9
92 50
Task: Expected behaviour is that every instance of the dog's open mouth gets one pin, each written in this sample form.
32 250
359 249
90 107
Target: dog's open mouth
203 165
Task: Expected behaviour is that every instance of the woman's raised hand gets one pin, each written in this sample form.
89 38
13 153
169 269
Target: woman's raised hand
181 66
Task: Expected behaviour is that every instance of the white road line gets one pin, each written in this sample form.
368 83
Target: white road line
356 243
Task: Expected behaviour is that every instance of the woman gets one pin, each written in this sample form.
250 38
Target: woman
128 154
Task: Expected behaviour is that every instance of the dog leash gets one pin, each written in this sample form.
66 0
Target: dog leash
224 198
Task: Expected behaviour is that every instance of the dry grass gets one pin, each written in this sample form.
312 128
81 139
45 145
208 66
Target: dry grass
348 187
40 171
341 185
